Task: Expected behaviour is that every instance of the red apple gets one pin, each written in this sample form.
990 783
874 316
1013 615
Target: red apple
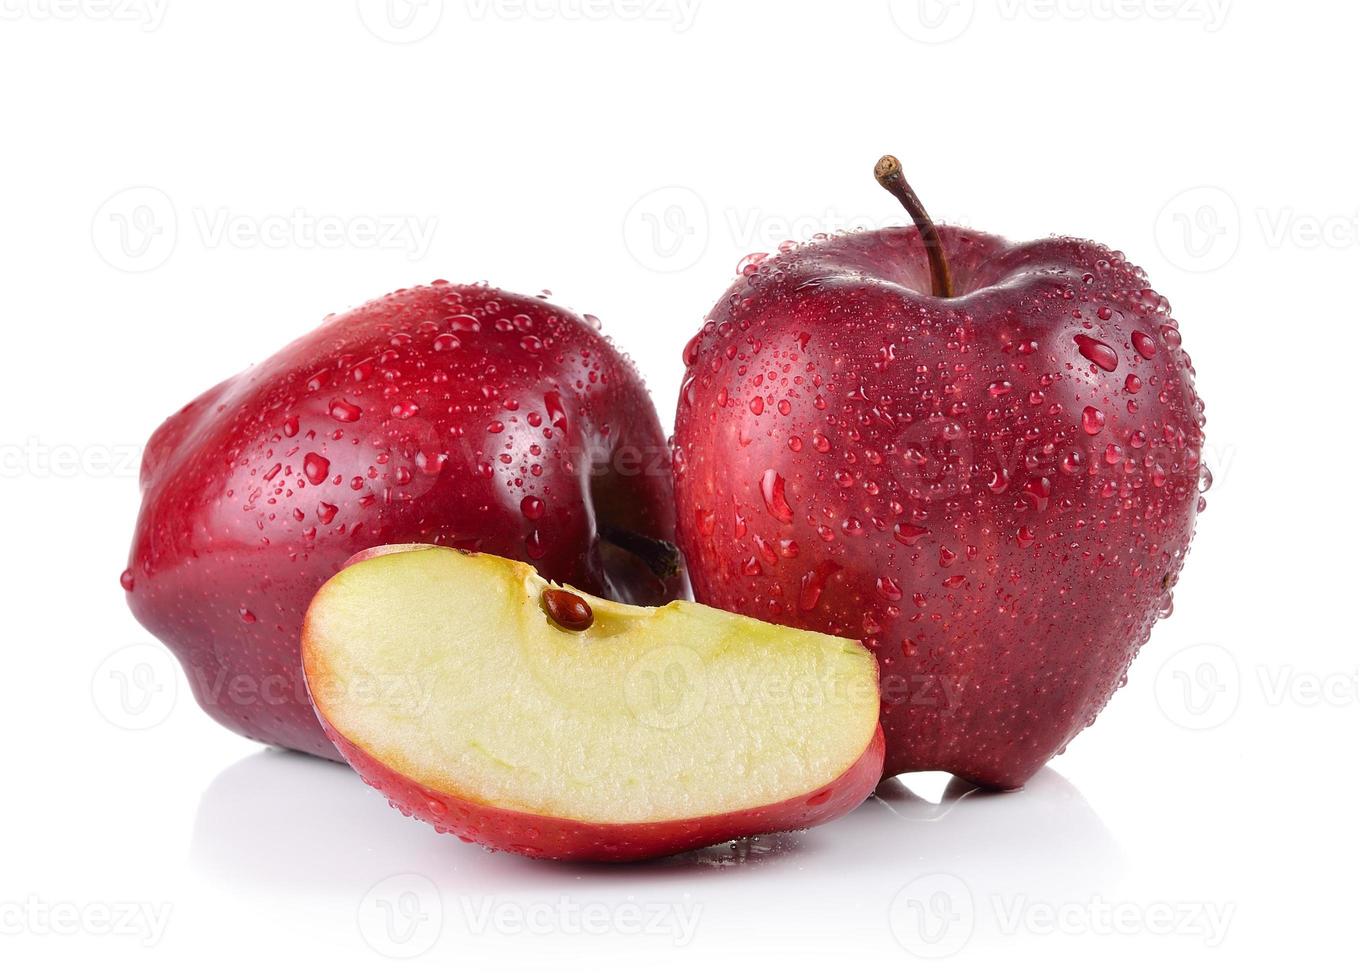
484 700
446 414
981 458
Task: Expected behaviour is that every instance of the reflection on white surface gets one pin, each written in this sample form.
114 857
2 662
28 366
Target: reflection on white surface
280 826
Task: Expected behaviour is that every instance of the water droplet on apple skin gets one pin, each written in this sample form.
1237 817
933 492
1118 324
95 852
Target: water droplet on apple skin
1099 353
772 492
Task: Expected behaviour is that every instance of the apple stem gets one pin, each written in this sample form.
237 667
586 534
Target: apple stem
662 557
888 172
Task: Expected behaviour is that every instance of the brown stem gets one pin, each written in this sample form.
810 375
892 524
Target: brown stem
888 172
662 557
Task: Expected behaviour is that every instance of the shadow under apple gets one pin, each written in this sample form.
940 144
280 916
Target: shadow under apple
281 822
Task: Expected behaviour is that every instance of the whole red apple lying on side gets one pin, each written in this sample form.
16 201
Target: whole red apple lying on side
981 458
493 705
446 414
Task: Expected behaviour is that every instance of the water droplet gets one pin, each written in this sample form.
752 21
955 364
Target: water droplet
344 411
127 581
772 490
316 467
247 616
814 584
1100 354
325 513
751 263
1037 491
908 533
1092 419
557 414
531 507
1143 344
691 352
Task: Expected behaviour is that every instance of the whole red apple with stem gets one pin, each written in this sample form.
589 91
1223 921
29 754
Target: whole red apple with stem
443 414
980 458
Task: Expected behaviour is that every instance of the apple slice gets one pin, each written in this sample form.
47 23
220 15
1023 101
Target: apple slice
526 717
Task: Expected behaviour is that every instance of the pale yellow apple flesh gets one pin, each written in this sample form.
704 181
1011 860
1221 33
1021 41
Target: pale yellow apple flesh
444 670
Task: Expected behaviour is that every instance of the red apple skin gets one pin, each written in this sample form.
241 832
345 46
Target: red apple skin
443 414
541 836
930 476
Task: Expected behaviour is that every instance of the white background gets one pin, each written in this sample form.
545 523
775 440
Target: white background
626 155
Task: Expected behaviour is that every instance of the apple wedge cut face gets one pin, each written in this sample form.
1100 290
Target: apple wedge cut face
526 717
